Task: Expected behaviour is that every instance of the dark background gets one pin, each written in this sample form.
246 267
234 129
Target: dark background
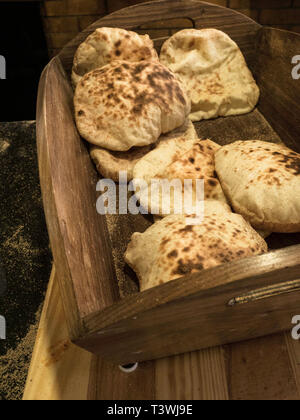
23 44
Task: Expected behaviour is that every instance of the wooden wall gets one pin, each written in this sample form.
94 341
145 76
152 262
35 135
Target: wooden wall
63 19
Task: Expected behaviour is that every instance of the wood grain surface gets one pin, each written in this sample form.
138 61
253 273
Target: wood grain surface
154 323
78 234
280 93
267 368
58 369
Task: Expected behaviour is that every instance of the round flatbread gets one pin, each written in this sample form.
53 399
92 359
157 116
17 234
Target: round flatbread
262 182
171 248
124 104
109 164
176 160
214 72
108 44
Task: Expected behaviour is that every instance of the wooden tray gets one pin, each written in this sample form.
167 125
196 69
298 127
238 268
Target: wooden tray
236 301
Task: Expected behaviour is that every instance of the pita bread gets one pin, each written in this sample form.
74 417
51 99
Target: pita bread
109 163
171 249
124 104
262 182
214 72
108 44
177 158
178 141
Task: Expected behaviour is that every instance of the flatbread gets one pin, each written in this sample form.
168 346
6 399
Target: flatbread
262 182
177 158
108 44
171 249
123 105
214 72
175 142
109 163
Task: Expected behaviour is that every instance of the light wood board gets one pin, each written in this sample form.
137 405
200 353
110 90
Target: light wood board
266 368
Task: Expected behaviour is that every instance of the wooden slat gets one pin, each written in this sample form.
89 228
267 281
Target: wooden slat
280 93
200 375
67 289
108 382
261 370
79 236
293 347
59 370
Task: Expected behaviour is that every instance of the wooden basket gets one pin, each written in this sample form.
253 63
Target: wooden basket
236 301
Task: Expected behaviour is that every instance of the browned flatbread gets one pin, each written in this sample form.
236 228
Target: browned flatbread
181 159
171 248
108 44
123 105
262 182
109 164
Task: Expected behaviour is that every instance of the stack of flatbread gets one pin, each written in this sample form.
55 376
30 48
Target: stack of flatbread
135 109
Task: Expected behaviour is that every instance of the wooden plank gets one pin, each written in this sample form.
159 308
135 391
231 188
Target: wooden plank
108 382
67 290
261 370
58 369
293 347
280 93
78 234
199 375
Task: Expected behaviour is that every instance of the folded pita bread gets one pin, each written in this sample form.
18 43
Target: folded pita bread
109 164
171 249
124 104
262 182
214 72
108 44
177 158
